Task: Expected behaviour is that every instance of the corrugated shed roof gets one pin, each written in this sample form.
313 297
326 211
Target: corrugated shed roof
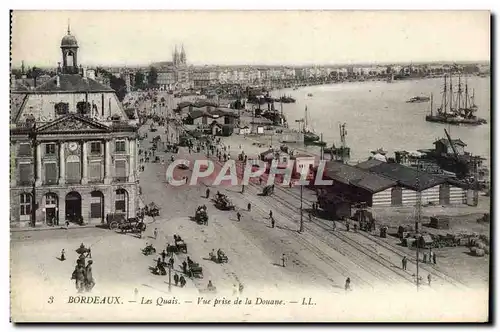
355 176
72 83
369 164
407 176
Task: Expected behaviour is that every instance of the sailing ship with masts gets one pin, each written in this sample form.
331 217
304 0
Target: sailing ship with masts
309 135
459 108
343 152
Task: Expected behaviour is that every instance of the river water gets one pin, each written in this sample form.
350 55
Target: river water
377 115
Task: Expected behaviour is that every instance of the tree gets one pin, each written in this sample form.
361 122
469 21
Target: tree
152 77
139 80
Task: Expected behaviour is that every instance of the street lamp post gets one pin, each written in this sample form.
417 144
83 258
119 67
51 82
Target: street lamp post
34 143
170 275
301 217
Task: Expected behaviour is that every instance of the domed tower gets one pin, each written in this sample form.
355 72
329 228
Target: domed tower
69 48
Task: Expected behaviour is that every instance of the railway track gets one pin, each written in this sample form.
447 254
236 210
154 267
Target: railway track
428 268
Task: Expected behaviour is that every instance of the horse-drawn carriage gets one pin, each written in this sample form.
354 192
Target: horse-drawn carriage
223 203
148 250
201 215
152 209
268 190
178 246
218 258
131 225
194 270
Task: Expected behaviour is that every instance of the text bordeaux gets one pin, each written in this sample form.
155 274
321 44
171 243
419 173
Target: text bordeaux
94 300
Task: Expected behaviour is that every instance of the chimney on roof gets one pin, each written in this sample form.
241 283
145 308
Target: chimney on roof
58 81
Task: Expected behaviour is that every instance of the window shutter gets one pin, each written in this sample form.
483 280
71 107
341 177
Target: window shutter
120 168
50 173
26 173
95 171
73 171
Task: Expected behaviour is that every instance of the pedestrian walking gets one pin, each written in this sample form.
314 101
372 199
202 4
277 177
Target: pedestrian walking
347 225
155 233
184 267
249 207
176 279
310 217
348 284
334 225
283 259
429 279
434 259
67 224
425 258
163 255
207 193
270 214
403 262
235 290
182 280
238 215
171 262
63 257
272 222
243 189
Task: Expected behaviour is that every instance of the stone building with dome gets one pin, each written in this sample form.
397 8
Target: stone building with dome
73 146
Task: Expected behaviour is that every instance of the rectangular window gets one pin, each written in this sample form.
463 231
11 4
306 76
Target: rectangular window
121 170
50 149
73 173
120 146
50 173
25 174
95 147
95 171
25 149
25 205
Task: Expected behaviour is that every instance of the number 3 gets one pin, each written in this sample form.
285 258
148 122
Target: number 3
51 300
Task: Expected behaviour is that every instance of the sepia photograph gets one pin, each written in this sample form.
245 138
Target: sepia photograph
250 166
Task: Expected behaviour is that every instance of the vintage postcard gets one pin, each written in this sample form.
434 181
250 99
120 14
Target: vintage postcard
250 166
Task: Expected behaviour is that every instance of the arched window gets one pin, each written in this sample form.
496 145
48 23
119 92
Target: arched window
25 204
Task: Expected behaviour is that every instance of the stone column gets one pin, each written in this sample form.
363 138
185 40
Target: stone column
38 180
62 164
107 162
131 169
84 163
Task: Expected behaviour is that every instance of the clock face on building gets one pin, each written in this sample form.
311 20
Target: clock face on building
72 146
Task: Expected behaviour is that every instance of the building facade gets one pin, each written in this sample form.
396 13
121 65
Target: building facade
73 150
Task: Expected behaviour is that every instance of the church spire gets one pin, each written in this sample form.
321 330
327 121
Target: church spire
69 30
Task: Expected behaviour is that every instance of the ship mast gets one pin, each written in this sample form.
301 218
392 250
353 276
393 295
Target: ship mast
444 103
431 104
459 92
466 93
451 94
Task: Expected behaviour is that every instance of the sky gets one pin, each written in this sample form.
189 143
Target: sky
252 37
